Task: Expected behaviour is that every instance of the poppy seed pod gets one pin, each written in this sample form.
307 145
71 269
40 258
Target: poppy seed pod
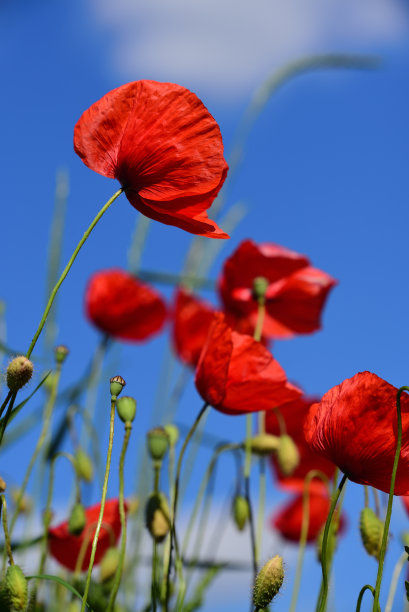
83 465
371 528
260 286
241 511
16 588
126 408
173 433
117 383
158 443
288 456
77 520
268 582
19 372
157 516
264 444
109 564
61 353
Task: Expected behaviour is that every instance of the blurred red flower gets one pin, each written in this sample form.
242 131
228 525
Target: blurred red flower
65 547
191 321
295 296
124 307
163 146
288 519
293 414
355 426
237 375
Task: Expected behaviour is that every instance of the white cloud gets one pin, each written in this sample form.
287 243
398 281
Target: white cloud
227 47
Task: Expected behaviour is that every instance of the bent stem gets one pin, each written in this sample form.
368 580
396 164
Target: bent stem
324 592
367 587
67 269
101 512
390 501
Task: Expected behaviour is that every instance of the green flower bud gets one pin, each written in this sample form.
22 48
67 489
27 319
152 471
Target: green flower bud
404 536
126 408
77 520
109 564
117 384
260 286
83 465
19 372
371 528
61 353
288 456
173 433
16 588
158 443
268 582
241 511
157 516
264 444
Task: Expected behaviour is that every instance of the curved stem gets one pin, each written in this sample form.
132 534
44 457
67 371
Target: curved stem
118 573
101 512
323 595
394 582
367 587
67 269
7 415
390 500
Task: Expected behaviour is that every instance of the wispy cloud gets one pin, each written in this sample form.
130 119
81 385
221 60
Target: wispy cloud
226 48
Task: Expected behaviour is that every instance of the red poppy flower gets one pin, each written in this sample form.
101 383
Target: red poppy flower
163 146
288 520
295 295
237 375
355 426
124 307
294 414
191 321
65 547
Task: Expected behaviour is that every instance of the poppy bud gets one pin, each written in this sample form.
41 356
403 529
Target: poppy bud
158 443
61 353
173 433
77 520
268 582
25 504
19 372
126 409
241 511
83 465
371 528
264 444
157 516
117 384
288 456
16 588
3 485
260 285
109 564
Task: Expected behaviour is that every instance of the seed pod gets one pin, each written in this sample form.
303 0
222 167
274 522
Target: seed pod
158 443
16 588
264 444
61 353
109 564
288 456
157 516
77 520
268 582
19 372
126 408
260 286
173 433
83 465
371 528
117 383
241 511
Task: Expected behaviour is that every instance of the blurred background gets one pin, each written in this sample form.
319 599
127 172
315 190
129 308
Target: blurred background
323 170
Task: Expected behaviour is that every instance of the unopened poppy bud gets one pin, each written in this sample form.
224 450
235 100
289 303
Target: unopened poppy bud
268 582
260 285
264 444
109 564
16 588
77 520
126 408
3 485
83 465
19 372
158 443
173 433
241 511
61 353
371 528
157 516
117 384
288 456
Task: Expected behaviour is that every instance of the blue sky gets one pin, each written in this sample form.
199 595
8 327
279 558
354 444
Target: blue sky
325 172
